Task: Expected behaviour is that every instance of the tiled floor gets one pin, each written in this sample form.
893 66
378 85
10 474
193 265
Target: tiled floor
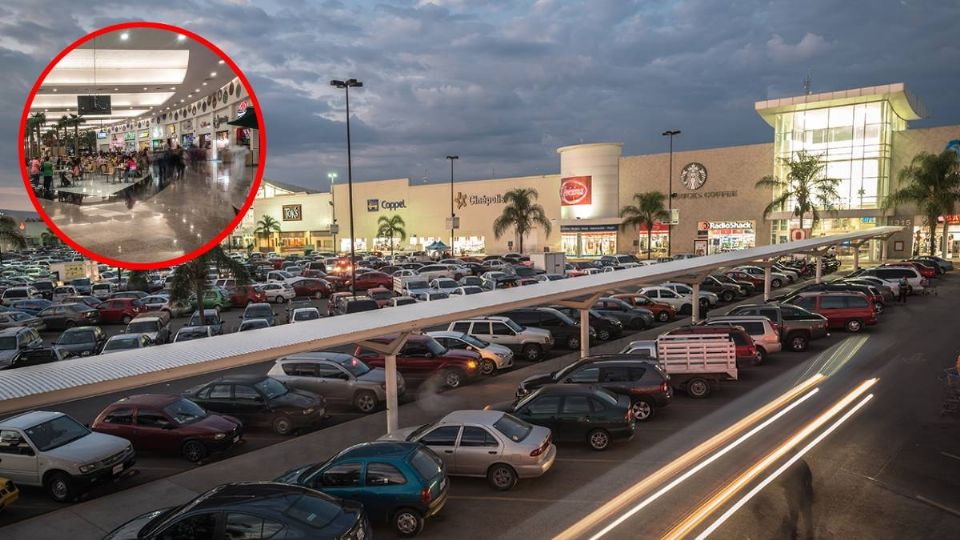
161 224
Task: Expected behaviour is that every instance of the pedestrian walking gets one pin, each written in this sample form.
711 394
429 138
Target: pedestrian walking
904 288
46 169
35 172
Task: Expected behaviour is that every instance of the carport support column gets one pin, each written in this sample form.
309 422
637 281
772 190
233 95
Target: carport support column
819 275
766 283
584 332
389 352
695 303
856 255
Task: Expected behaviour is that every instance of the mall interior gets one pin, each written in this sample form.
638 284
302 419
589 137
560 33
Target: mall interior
861 134
153 144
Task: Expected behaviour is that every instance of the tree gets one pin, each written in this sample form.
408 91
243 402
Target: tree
39 119
931 183
190 278
521 214
390 227
266 227
47 238
137 281
31 124
806 185
74 121
10 234
62 123
648 210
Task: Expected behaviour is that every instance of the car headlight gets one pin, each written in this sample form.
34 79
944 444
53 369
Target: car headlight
86 353
471 364
87 468
308 410
618 323
220 436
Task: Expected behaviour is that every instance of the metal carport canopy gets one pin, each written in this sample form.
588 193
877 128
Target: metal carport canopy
78 378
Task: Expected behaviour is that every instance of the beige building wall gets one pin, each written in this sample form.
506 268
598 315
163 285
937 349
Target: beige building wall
728 193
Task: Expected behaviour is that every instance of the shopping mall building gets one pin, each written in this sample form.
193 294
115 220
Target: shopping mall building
862 134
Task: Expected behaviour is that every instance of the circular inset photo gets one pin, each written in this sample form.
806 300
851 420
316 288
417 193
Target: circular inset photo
121 158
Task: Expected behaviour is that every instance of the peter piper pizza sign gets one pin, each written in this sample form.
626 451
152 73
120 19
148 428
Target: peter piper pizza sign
575 190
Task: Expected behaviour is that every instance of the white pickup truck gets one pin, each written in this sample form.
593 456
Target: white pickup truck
696 363
411 285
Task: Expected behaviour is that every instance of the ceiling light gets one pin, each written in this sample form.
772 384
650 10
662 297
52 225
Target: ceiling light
213 73
115 89
197 90
54 89
181 37
204 83
173 87
124 36
144 87
220 62
181 100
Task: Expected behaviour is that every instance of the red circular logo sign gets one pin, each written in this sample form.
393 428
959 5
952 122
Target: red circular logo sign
575 190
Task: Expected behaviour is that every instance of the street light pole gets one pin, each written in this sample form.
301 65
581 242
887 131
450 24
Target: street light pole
453 251
333 208
346 85
670 133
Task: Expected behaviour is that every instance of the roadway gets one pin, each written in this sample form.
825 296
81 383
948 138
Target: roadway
582 480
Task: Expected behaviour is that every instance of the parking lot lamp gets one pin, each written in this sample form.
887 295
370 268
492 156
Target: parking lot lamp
670 133
453 251
346 85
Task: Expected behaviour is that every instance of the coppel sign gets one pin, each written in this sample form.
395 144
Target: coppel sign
374 205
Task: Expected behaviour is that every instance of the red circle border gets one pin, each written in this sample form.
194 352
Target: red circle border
254 188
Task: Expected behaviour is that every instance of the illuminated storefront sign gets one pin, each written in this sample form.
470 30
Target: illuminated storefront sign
707 195
374 205
714 225
463 200
575 190
724 236
292 212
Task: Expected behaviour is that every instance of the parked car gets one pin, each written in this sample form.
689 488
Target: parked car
53 451
242 295
369 280
156 327
400 484
63 316
304 314
32 306
606 327
259 400
402 301
747 288
564 330
529 342
45 287
211 319
253 324
259 311
91 301
421 357
82 340
765 334
892 274
724 290
577 413
493 356
251 510
14 341
635 318
486 444
926 271
15 294
12 318
310 287
777 279
679 302
190 333
354 304
126 342
137 295
59 293
103 290
168 424
635 377
849 310
278 292
36 356
756 282
380 295
796 325
707 298
120 310
661 311
340 378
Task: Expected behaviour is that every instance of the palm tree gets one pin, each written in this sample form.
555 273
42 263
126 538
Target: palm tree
266 227
137 280
31 124
39 119
190 278
10 234
648 210
390 227
522 214
931 183
74 121
62 123
806 185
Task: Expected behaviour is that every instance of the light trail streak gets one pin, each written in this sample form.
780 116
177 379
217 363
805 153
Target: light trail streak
773 476
693 520
672 469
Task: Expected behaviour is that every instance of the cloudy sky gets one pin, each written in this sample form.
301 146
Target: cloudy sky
504 83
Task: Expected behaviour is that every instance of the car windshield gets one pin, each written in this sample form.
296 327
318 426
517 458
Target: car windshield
381 295
80 281
313 510
435 347
513 427
122 342
186 334
306 315
254 324
19 315
8 343
271 388
184 411
476 342
56 433
606 395
73 338
427 464
140 327
258 312
418 285
566 320
355 366
446 283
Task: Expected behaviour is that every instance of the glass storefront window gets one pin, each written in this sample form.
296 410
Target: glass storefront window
588 244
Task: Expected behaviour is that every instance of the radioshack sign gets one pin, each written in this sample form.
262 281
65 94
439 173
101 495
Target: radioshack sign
575 190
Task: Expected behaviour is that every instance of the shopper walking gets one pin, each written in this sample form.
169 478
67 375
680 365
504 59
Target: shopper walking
35 172
46 169
904 288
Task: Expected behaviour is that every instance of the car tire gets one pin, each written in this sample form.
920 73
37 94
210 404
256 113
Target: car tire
126 319
727 296
60 486
487 367
407 522
278 299
532 352
854 325
798 342
637 324
775 283
365 401
603 335
698 388
686 309
598 439
761 356
453 378
642 409
194 451
282 425
573 343
663 316
502 477
68 325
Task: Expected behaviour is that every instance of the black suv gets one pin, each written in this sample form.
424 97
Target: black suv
642 380
565 331
725 290
36 356
606 326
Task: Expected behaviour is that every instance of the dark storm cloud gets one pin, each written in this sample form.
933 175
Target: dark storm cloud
504 84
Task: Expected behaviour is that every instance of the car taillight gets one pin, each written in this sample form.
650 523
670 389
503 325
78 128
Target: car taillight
425 495
629 415
542 448
664 387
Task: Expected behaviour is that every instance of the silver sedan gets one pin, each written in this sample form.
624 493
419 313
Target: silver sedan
339 378
494 357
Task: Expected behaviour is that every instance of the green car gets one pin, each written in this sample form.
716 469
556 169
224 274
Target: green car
212 299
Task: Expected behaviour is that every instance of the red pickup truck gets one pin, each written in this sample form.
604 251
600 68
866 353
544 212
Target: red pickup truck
422 357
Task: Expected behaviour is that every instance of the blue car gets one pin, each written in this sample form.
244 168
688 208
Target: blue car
32 307
398 483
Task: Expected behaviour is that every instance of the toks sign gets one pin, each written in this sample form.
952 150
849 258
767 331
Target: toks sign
575 190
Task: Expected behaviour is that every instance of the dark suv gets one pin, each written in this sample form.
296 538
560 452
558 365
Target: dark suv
607 326
797 325
642 380
565 331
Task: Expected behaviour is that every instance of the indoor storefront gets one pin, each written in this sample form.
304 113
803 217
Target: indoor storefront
725 236
588 240
659 238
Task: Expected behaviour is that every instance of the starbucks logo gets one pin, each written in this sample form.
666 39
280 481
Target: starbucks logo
693 175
